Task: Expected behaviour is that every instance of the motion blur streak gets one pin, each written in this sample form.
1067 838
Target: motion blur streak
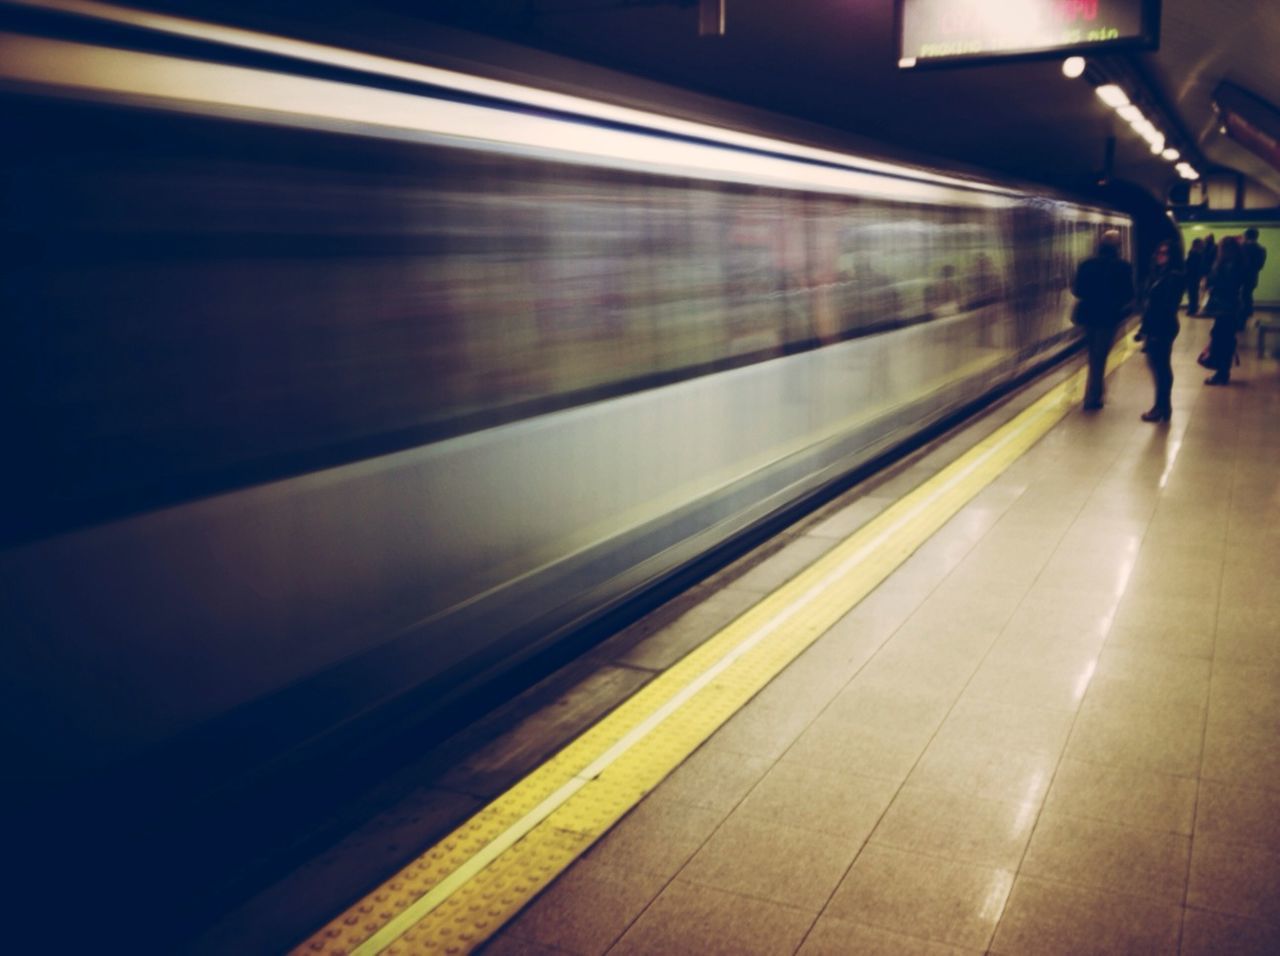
448 79
319 393
240 93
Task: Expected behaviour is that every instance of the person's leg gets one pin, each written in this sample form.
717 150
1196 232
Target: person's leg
1099 343
1152 352
1193 297
1162 367
1222 349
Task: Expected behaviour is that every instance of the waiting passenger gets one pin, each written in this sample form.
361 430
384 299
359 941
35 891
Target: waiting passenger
1255 257
1196 270
1160 327
1226 283
1104 286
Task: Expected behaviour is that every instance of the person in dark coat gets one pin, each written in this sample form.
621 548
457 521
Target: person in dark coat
1226 282
1104 286
1255 257
1161 298
1195 273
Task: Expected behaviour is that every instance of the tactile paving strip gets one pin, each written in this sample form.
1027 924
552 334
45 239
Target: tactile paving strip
462 890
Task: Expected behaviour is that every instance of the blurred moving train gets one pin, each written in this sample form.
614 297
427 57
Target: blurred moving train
329 376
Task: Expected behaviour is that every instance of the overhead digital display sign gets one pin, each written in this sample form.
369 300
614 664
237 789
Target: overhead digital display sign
955 32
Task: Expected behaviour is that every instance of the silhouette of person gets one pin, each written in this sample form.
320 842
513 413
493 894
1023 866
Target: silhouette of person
1226 282
1195 273
1161 297
1104 286
1255 257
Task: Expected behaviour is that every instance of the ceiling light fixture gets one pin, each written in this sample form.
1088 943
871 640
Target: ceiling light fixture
1112 95
1073 66
1171 154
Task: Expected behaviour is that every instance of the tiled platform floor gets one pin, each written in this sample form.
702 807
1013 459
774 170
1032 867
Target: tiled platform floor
1053 730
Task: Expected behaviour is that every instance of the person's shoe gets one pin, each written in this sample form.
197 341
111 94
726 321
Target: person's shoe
1156 415
1217 380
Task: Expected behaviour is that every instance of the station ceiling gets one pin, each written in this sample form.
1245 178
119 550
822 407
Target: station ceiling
834 62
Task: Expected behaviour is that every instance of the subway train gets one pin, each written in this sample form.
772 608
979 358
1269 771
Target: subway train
330 376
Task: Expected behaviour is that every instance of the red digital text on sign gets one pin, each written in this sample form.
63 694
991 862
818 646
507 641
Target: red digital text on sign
1074 11
957 19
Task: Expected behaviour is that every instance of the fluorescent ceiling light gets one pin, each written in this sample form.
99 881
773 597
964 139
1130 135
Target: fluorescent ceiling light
1073 66
1130 113
1171 154
1112 95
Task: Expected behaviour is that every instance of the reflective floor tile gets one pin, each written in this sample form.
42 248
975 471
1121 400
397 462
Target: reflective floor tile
588 908
1172 678
884 706
1235 879
767 726
1164 614
1006 726
1029 683
1245 699
1240 759
838 745
843 804
1137 798
968 829
1105 856
1237 815
507 944
1214 934
772 861
837 937
1187 639
1052 919
992 773
659 836
921 896
714 778
693 919
1167 740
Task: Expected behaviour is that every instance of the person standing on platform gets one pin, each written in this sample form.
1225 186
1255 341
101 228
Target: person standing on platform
1160 327
1195 273
1104 286
1226 282
1255 257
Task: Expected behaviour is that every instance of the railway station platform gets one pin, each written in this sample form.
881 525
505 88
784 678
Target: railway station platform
1028 704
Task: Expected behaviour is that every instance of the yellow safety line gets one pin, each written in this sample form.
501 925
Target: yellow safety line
462 890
